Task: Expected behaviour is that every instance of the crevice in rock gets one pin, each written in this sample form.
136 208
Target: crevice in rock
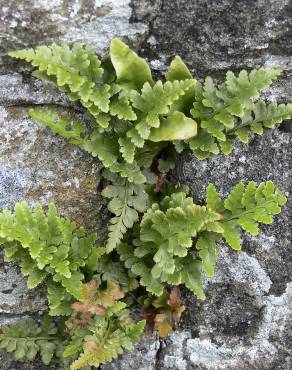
159 355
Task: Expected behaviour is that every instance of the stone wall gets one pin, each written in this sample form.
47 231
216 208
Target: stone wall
245 322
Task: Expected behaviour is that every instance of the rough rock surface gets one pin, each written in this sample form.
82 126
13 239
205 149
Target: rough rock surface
245 321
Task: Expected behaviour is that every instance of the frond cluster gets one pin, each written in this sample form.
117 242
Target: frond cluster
129 109
102 327
177 239
50 249
131 115
126 107
157 236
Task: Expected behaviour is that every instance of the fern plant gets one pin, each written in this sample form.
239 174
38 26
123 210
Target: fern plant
99 330
102 326
176 240
158 237
132 114
50 249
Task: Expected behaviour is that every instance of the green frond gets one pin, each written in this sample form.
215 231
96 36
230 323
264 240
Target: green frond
165 241
157 100
246 207
127 200
132 71
229 111
261 116
28 338
178 70
49 248
175 127
61 125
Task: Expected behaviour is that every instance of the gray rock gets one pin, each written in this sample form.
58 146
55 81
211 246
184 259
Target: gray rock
34 22
218 35
245 321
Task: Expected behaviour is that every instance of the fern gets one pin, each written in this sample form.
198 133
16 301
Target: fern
127 199
130 110
111 100
49 248
226 111
105 329
165 251
27 338
102 345
136 127
246 207
161 252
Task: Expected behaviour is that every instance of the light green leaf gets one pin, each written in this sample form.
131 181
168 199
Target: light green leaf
178 70
175 127
132 71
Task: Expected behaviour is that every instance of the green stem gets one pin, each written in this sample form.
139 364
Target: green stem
125 204
104 339
30 338
235 128
235 217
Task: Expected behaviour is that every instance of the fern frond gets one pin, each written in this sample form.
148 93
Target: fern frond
154 102
127 200
96 353
166 233
27 338
226 111
132 71
175 127
48 247
75 70
246 207
106 330
261 116
61 125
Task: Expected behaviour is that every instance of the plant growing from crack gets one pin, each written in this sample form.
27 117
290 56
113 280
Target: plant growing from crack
158 238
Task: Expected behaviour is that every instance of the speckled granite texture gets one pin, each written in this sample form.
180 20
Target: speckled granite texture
245 323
